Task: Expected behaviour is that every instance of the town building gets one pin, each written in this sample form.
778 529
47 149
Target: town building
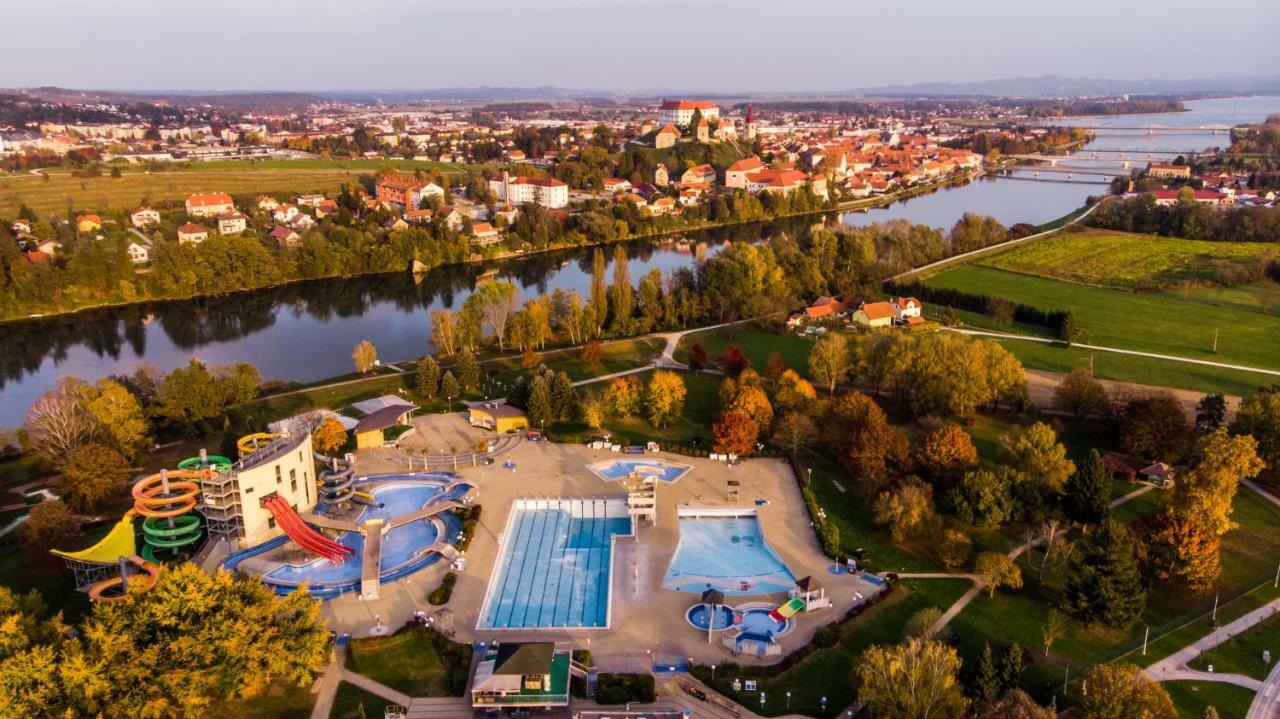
548 192
615 184
88 223
699 175
661 177
209 205
906 308
144 216
190 233
500 418
680 112
875 314
1169 171
752 126
231 223
668 136
528 675
284 237
139 253
736 174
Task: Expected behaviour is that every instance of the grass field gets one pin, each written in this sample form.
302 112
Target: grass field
1117 259
1191 699
279 701
1161 323
756 344
1242 654
352 702
406 661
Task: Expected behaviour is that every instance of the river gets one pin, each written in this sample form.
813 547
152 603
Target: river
305 332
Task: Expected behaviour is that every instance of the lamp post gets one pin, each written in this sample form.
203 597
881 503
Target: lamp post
788 700
713 673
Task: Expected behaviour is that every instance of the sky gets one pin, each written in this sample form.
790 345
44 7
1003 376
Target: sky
718 46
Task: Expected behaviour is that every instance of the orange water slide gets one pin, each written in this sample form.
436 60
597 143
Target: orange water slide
151 499
150 575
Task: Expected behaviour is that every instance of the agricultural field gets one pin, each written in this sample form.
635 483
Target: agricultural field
60 190
1125 260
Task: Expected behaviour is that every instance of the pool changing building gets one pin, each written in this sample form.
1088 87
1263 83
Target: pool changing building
232 502
523 675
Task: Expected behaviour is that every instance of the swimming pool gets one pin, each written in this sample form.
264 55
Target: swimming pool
659 469
556 564
728 553
402 547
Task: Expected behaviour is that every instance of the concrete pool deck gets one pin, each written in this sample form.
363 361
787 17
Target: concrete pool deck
647 622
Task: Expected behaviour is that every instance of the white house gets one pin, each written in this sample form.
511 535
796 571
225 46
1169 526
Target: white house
139 254
231 223
419 193
285 213
548 192
144 216
209 205
680 112
906 307
192 234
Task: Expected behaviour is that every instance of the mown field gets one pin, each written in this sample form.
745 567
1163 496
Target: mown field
1164 323
1118 259
60 190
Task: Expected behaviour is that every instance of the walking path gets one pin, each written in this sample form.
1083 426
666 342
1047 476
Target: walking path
1117 350
1174 666
1266 703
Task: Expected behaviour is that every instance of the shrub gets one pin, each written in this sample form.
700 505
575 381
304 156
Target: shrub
440 595
624 688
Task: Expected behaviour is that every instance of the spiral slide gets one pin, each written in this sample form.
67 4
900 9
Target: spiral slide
167 501
116 588
250 443
306 537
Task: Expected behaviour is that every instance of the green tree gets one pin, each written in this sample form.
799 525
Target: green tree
1259 417
563 396
541 408
468 369
365 356
1088 498
621 294
954 548
984 497
997 570
917 679
1104 584
449 388
1211 412
664 398
1036 454
428 377
986 681
1155 428
1011 667
90 474
195 396
494 303
1080 394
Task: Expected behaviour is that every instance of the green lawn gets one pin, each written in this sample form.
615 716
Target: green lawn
1119 259
279 701
701 404
1242 654
352 702
756 343
407 661
1162 323
1191 699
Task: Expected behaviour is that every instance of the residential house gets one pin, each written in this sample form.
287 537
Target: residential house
906 308
139 253
661 177
48 247
483 233
1169 171
88 223
231 223
506 215
325 207
285 213
189 233
418 217
703 130
302 222
144 216
284 237
419 193
1169 198
825 308
309 200
875 314
21 227
266 203
736 175
662 206
209 204
394 223
668 136
615 184
702 174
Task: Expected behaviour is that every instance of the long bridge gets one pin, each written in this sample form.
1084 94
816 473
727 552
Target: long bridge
1153 128
1068 171
1123 160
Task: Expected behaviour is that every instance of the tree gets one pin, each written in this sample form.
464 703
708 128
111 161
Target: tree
1154 427
90 474
593 411
1035 453
449 388
795 394
1205 492
494 303
50 525
541 408
830 361
774 366
428 377
1181 550
986 682
196 395
329 436
751 401
1123 691
57 423
997 570
445 333
861 436
1259 417
734 433
946 453
563 396
1211 412
697 357
1011 666
984 497
1053 629
1080 394
120 419
365 355
1088 492
921 623
468 369
621 294
907 509
1017 704
917 679
592 353
664 398
794 431
954 548
733 361
1104 584
623 396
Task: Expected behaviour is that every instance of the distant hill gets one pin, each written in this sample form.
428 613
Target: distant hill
1058 86
259 101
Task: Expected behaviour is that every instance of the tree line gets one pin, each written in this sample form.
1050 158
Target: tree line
1188 219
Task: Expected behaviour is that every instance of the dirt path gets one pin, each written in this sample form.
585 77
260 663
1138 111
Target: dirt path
1041 384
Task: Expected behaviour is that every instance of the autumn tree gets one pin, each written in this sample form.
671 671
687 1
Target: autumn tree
58 423
1088 491
664 398
1035 453
428 377
774 366
830 361
623 396
921 623
50 525
1259 417
907 509
946 453
120 418
750 400
1154 427
1104 584
1017 704
1053 629
329 436
794 431
862 438
365 355
954 548
733 361
494 303
1211 412
198 396
918 679
1204 493
1080 394
997 570
697 357
1182 551
90 474
735 433
593 411
592 353
445 331
1124 691
794 394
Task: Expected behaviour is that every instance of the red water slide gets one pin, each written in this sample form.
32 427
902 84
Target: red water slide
306 537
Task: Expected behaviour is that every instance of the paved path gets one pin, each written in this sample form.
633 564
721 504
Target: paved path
1266 703
1116 350
1174 666
326 687
1262 491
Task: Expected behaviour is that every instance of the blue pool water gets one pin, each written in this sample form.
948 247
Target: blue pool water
555 567
726 553
697 616
659 469
757 624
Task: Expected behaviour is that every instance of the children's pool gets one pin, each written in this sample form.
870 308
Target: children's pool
728 554
752 620
556 565
656 469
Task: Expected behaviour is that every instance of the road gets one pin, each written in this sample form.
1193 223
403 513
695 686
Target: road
1266 703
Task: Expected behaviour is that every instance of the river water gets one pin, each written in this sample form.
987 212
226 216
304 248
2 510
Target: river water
306 332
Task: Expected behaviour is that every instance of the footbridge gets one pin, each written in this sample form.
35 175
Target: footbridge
1068 171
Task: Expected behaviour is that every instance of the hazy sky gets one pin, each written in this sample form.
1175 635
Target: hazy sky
627 45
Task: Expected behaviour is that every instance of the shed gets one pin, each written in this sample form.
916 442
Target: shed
371 430
501 418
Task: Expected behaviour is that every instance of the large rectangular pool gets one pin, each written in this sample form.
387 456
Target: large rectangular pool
555 565
728 553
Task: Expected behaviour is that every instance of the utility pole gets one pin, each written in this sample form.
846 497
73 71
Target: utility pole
1215 340
1146 634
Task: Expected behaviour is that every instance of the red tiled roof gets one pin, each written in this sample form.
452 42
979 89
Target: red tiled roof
878 310
213 198
688 105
